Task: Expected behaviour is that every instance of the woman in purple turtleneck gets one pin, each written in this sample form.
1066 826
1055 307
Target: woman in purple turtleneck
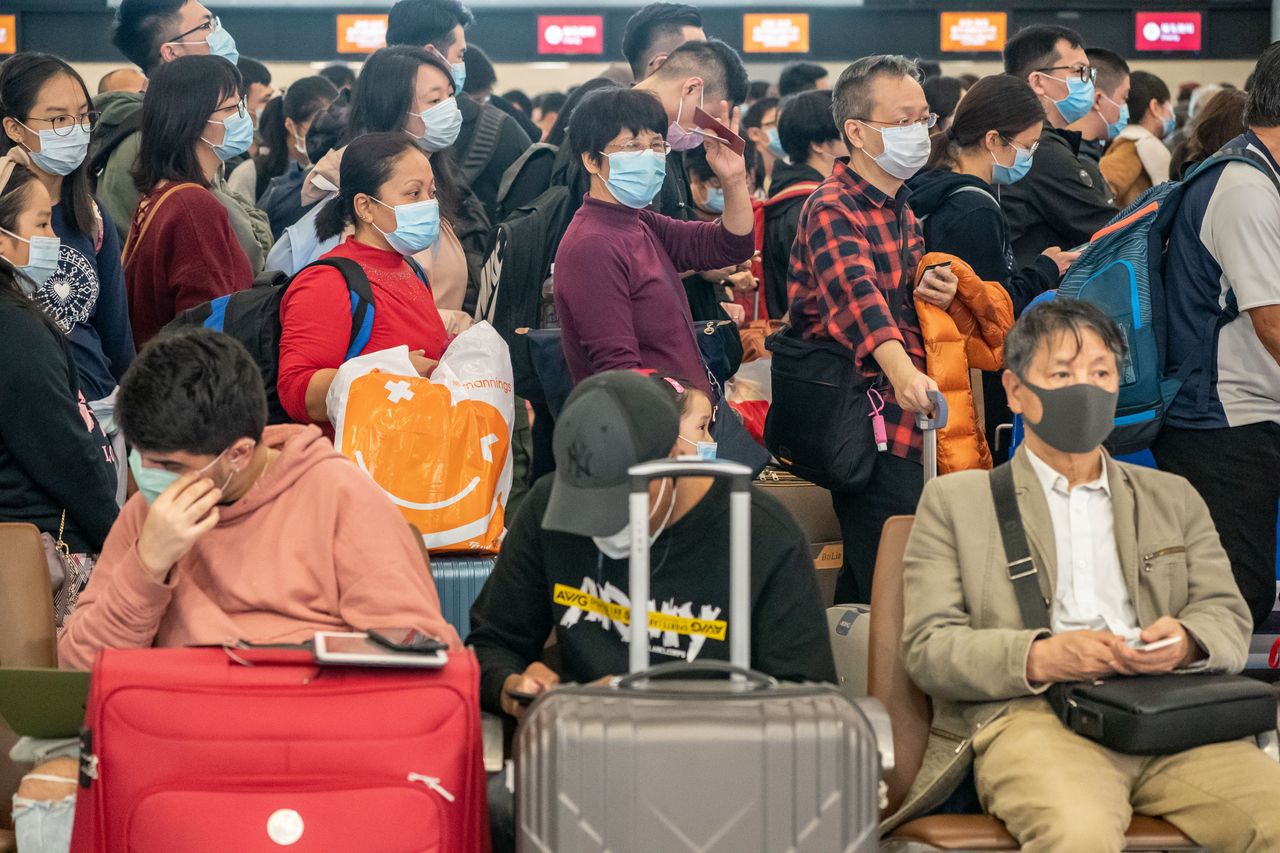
617 275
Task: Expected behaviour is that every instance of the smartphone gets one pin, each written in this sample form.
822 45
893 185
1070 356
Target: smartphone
1158 644
945 265
522 698
406 640
708 125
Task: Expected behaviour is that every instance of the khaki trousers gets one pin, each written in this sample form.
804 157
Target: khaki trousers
1057 791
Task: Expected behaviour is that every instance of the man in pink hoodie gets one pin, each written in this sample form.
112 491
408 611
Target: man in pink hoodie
240 531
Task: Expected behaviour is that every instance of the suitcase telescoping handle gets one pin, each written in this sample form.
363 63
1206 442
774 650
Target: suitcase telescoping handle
679 669
930 426
739 477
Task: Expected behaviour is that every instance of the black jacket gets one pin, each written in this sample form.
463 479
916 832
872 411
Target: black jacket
780 221
512 141
971 226
542 574
53 455
1061 202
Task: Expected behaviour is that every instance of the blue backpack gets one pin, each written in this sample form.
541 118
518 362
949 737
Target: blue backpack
1121 270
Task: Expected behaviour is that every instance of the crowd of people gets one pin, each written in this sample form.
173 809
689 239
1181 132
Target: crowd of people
869 210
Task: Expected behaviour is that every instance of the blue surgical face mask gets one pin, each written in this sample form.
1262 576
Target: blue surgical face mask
236 139
42 261
153 481
636 176
442 123
1079 99
706 450
222 44
775 143
1170 124
1005 175
1122 120
715 200
417 226
60 155
459 75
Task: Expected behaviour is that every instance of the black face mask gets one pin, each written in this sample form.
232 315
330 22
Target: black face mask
1075 418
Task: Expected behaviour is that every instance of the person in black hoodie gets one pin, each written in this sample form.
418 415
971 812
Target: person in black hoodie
812 143
57 468
991 143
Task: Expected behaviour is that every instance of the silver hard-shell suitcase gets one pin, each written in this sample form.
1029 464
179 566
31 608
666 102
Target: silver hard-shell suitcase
667 762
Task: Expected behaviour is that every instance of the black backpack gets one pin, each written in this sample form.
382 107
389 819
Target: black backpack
253 318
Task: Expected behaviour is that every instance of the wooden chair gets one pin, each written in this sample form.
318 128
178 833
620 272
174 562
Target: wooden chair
912 714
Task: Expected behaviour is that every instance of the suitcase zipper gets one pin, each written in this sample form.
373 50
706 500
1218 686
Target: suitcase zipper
432 782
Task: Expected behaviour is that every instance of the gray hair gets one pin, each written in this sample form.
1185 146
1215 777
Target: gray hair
1262 105
1042 322
851 97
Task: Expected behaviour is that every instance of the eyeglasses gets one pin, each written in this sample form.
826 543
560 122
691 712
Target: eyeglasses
63 125
208 27
635 146
1035 146
1083 73
928 121
240 107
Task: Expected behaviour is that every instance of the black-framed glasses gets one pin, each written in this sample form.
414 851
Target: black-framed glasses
927 121
1083 73
208 27
63 125
240 107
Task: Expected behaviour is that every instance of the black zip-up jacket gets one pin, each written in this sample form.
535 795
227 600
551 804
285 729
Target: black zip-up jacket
780 222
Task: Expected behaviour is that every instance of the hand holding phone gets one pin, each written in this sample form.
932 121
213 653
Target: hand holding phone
1158 644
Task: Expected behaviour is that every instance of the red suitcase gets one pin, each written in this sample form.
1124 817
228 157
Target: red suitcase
203 750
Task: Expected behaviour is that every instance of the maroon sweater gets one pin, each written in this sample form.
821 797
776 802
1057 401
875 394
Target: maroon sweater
188 255
618 292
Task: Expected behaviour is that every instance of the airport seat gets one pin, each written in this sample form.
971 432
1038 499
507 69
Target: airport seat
912 714
27 637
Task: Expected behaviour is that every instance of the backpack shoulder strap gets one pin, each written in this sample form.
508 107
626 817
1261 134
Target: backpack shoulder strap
1237 155
803 189
1020 567
132 124
361 300
970 188
484 143
509 177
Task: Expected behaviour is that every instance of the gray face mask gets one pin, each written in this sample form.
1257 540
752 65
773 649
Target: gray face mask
1076 418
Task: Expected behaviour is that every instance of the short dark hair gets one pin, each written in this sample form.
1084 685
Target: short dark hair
423 22
252 71
851 97
605 113
754 116
800 77
367 164
1262 105
383 95
719 66
645 27
1043 321
1001 102
943 94
21 78
929 68
757 89
1036 47
304 99
805 120
517 98
192 390
480 74
967 80
329 129
560 130
549 102
696 165
339 74
1143 87
15 197
139 29
175 113
1110 67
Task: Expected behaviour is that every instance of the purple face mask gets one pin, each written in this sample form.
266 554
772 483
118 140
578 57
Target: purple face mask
680 139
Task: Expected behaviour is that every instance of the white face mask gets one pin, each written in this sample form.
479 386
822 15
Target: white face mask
618 546
906 149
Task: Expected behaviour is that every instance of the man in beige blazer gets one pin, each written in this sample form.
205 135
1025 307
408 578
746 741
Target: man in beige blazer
1126 556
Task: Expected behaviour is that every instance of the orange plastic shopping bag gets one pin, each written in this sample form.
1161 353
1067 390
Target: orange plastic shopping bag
440 447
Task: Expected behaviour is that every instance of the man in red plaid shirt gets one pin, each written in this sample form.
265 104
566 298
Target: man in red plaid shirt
852 275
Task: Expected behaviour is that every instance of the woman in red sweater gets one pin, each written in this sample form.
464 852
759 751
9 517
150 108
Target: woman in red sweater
181 249
388 193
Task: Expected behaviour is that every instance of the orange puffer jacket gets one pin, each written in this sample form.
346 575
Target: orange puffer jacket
969 334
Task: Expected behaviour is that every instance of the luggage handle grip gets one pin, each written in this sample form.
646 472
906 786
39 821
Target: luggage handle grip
742 675
738 474
939 419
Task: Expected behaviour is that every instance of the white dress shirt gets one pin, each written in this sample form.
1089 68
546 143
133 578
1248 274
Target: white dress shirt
1090 593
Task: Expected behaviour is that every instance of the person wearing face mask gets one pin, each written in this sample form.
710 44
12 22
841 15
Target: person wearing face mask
1138 159
1110 113
47 117
617 270
760 130
853 274
57 467
409 91
181 250
1063 199
283 130
153 33
389 196
1125 556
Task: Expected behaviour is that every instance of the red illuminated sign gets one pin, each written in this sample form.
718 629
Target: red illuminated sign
571 34
1168 31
